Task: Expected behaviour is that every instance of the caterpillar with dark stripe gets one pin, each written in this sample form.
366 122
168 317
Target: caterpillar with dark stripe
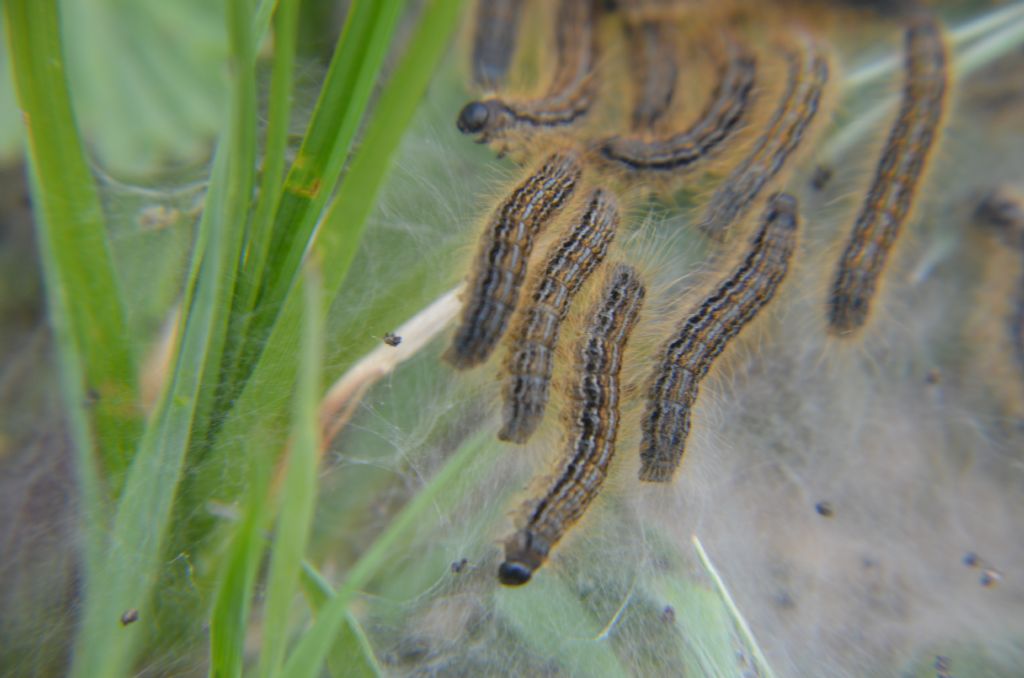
494 41
729 103
1002 211
900 172
701 338
807 77
654 57
592 426
569 96
494 285
532 356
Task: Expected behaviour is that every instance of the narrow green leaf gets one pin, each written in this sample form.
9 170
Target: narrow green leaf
233 602
241 128
11 131
342 103
276 367
258 241
265 9
351 654
342 228
761 665
72 235
92 513
339 110
134 556
300 484
279 106
315 644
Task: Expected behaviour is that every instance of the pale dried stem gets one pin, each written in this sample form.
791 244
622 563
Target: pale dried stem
343 397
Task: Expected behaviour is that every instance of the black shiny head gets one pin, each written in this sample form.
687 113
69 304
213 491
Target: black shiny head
514 574
473 118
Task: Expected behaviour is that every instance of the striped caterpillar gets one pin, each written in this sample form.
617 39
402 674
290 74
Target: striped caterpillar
592 426
570 95
531 358
807 78
654 57
504 250
719 120
899 174
494 42
1003 212
702 337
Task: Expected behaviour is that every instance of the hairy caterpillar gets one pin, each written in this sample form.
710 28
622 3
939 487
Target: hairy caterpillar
1003 212
494 41
900 172
569 96
807 78
532 355
654 56
504 251
720 119
592 425
700 339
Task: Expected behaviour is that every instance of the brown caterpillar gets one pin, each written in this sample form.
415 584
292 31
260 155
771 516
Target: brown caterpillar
654 55
504 251
532 355
703 336
570 95
900 172
806 81
494 41
719 120
593 422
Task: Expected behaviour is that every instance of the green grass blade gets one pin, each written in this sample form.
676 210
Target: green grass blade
11 130
143 514
316 643
339 110
233 602
237 196
279 105
134 557
234 598
300 483
276 367
261 21
72 233
258 241
342 228
760 661
351 654
310 181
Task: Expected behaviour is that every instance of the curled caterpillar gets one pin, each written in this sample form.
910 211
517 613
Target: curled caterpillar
570 95
720 119
807 78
